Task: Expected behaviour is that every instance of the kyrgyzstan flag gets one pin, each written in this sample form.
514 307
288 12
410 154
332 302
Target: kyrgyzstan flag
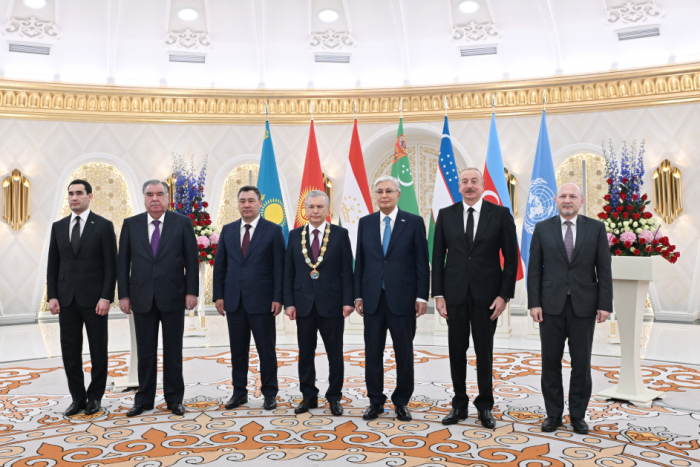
495 187
311 180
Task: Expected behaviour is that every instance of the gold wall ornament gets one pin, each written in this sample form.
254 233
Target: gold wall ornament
512 183
588 172
328 188
668 196
619 89
16 199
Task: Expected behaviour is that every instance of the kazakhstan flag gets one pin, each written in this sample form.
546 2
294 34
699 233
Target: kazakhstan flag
269 186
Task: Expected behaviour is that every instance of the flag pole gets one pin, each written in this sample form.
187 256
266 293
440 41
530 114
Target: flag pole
493 103
312 111
354 108
445 100
267 119
544 100
401 108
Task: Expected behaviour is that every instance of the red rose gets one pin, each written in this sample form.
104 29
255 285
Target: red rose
636 252
647 215
623 196
664 241
625 215
677 254
642 208
636 216
201 188
607 197
673 259
618 252
635 197
665 253
642 241
672 248
630 208
619 208
195 205
192 216
172 205
602 215
624 180
201 247
650 249
654 242
203 254
610 181
644 197
628 244
615 240
194 223
205 204
179 205
201 223
616 215
211 262
659 249
607 208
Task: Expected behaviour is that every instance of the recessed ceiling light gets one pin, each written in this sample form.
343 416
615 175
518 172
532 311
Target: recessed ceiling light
328 16
35 3
468 6
187 14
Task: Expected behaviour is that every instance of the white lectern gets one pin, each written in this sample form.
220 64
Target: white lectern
631 277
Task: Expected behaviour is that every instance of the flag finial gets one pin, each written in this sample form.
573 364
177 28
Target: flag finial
401 107
544 100
445 100
312 111
354 108
266 113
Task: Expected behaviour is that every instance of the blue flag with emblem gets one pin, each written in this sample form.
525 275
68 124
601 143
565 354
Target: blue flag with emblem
543 189
269 185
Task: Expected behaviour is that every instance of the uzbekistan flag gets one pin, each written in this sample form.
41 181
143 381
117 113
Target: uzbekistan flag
495 187
446 191
357 201
311 180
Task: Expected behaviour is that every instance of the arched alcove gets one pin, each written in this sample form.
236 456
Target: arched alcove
587 170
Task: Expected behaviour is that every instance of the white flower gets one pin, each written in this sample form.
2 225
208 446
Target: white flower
639 231
635 224
627 229
617 231
632 249
209 256
642 222
626 223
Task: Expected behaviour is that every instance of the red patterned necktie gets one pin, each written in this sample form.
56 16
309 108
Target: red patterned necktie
246 240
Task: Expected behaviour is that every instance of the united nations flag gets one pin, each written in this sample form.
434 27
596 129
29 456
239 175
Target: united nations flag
269 185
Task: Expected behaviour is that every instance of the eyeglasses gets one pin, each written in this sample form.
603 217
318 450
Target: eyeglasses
388 192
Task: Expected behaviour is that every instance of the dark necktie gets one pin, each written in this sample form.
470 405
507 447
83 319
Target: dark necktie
75 235
315 248
246 240
155 238
569 239
470 228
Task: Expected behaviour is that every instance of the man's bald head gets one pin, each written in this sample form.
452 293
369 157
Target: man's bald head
569 186
569 200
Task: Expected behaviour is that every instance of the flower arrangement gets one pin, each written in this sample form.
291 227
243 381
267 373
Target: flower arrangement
188 196
632 230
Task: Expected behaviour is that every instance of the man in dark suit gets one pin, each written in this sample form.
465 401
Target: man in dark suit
471 288
153 248
318 295
392 282
80 280
248 276
569 285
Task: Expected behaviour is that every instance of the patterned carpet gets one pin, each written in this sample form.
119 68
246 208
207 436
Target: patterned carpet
34 432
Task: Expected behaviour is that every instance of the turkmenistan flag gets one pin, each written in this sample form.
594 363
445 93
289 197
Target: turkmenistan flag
446 183
401 169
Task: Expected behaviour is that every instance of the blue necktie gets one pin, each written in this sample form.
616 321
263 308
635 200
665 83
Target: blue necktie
387 234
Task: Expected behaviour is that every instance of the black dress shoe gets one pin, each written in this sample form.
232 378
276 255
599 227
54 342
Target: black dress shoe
138 409
270 403
402 413
92 407
551 424
75 408
305 405
336 408
373 411
177 408
236 401
455 416
580 426
487 420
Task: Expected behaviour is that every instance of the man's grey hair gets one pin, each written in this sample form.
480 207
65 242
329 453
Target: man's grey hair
316 194
472 168
388 178
155 182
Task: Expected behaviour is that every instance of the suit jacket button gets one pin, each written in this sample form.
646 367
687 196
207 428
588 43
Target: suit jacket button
469 257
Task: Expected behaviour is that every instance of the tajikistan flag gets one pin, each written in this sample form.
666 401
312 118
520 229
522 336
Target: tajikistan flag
446 183
357 201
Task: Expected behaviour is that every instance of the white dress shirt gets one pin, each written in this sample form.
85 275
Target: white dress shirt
253 225
321 230
475 214
83 220
573 227
152 226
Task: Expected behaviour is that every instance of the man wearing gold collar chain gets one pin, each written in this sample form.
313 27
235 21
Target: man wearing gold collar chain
318 288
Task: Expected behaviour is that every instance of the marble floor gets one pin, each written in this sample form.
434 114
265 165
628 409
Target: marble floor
668 342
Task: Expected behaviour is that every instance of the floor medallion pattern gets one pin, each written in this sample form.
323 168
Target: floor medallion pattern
34 432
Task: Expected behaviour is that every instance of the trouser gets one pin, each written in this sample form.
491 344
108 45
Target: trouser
554 331
262 326
331 330
461 319
71 320
147 324
403 330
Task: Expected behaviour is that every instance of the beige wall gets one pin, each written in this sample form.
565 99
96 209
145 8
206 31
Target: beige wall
47 152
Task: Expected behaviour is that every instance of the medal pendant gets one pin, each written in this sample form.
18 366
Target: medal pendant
314 274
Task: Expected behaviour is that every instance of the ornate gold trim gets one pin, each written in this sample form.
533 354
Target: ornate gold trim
613 90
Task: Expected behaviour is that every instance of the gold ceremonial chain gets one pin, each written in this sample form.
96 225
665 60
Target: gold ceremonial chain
323 250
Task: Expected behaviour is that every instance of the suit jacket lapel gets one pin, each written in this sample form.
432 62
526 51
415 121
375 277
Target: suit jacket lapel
484 218
581 230
374 222
257 235
399 226
89 225
143 231
558 239
236 237
165 234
